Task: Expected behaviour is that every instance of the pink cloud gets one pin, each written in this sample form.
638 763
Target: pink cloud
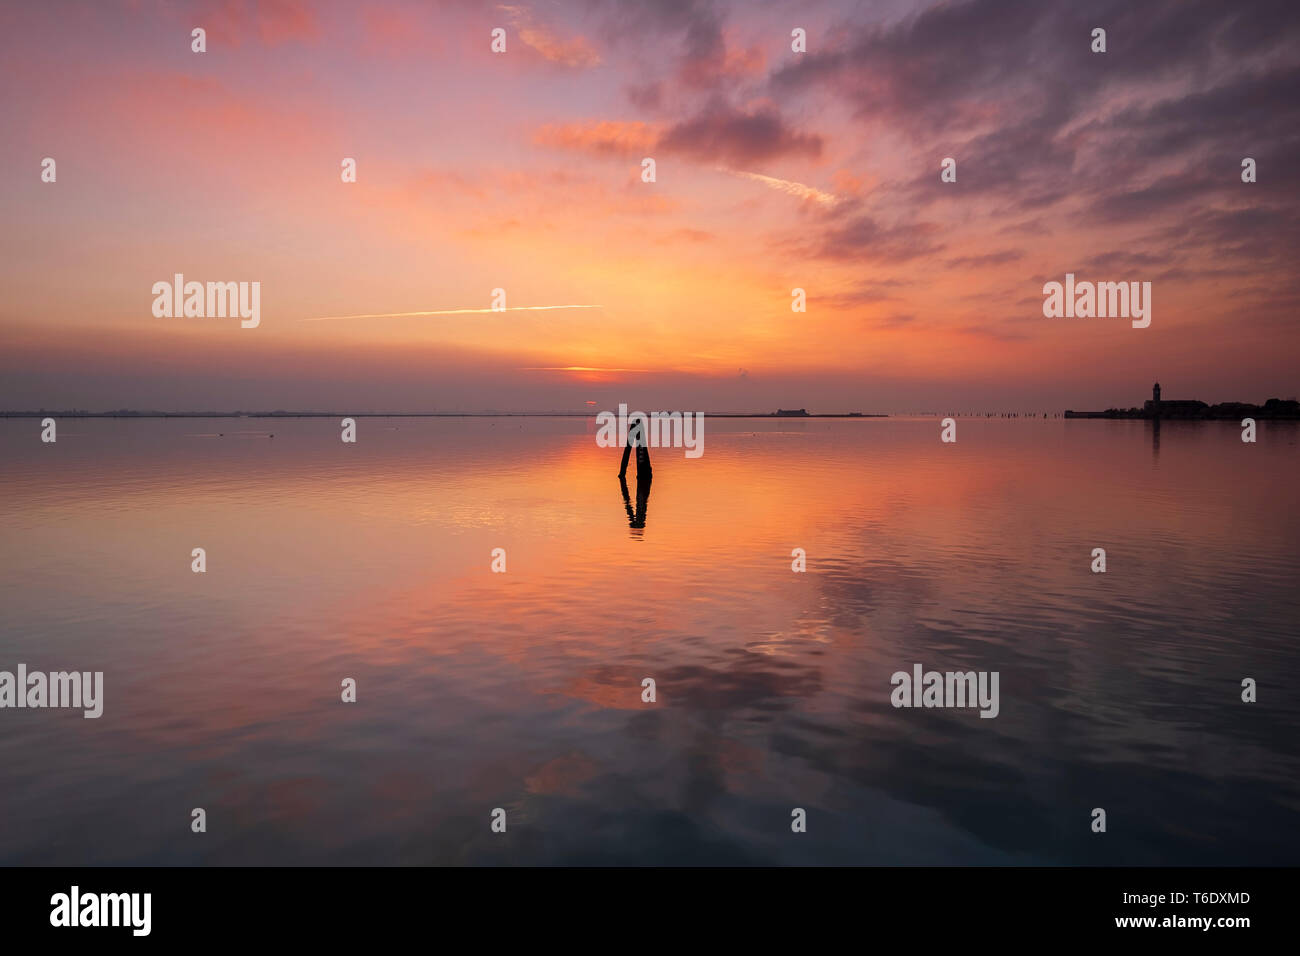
271 22
573 52
599 137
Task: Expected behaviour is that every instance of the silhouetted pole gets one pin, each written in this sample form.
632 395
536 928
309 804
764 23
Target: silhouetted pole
636 437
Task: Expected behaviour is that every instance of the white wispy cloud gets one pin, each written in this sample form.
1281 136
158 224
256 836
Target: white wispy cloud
787 186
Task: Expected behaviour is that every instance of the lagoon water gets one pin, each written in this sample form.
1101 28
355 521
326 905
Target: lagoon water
522 690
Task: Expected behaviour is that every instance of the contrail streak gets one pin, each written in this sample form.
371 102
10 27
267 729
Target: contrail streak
403 315
786 186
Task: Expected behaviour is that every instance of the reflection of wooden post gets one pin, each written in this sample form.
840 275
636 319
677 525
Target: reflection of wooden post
642 498
636 519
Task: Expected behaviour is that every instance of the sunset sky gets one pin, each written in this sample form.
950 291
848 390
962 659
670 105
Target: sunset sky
522 171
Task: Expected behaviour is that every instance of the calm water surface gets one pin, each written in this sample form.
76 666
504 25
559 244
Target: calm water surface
522 690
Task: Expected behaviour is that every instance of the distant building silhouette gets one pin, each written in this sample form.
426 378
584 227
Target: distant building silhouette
1179 408
1156 408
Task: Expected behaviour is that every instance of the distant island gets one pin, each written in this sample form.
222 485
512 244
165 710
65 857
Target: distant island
804 413
1192 410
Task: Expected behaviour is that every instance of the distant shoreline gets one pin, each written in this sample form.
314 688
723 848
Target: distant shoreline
1273 410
